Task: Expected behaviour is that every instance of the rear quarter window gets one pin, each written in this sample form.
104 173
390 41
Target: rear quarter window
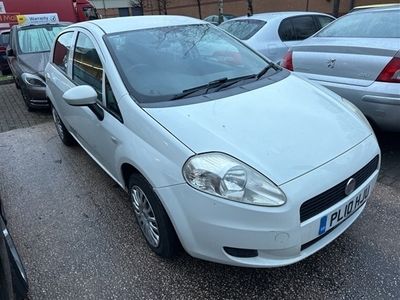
286 32
243 29
304 27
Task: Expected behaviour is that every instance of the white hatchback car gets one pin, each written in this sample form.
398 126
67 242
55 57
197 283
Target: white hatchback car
237 159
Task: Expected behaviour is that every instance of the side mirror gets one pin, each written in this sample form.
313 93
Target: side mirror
10 52
83 95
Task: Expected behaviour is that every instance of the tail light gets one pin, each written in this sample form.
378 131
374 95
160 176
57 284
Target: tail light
2 49
287 61
391 73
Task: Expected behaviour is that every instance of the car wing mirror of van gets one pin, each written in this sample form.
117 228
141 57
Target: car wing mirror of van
82 95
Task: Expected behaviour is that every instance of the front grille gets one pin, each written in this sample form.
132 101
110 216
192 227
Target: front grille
335 194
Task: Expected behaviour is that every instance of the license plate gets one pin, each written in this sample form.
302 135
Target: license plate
342 213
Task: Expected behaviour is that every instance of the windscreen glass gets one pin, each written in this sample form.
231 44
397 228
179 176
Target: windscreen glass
159 63
37 39
4 38
243 29
382 24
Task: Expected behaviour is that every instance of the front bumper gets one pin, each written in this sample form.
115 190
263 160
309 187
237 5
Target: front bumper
36 96
380 101
206 224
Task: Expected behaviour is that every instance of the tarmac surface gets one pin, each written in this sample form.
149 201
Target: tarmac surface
75 230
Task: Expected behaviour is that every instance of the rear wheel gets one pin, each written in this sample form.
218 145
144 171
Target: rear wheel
62 131
152 218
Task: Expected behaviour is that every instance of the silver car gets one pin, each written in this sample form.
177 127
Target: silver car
357 57
272 34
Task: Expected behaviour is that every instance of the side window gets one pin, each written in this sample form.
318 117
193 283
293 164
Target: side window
304 27
324 20
286 32
62 49
87 67
111 102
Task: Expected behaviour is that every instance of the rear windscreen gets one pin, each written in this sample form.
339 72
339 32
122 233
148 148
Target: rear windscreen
243 29
374 24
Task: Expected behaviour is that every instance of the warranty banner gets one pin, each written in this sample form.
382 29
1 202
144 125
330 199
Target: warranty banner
38 19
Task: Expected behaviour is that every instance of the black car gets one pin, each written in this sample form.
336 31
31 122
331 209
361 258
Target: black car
13 279
4 38
28 54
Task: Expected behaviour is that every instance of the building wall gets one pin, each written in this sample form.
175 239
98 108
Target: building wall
235 7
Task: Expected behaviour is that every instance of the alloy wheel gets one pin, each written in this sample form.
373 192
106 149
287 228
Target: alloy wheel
145 216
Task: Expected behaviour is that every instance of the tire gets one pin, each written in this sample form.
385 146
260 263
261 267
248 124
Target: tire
62 131
168 242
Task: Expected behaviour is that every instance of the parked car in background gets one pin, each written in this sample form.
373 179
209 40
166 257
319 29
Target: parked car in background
214 19
13 279
272 34
28 54
388 5
237 159
4 38
357 57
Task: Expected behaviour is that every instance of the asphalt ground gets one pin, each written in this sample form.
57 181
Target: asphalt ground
75 230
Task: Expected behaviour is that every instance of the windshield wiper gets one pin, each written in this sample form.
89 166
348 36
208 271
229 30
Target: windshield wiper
232 81
266 69
223 83
207 87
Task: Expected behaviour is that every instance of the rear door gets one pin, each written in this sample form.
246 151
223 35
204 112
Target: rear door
352 50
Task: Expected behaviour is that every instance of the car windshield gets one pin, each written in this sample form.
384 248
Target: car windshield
159 64
4 38
37 39
374 24
243 29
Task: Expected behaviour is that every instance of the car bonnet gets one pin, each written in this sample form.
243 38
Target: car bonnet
283 130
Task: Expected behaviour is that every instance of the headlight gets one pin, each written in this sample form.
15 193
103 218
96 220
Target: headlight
223 176
357 112
33 80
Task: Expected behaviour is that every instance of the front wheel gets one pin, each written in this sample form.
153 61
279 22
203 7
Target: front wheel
63 133
152 218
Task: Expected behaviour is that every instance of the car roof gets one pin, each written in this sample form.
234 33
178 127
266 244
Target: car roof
113 25
376 6
279 15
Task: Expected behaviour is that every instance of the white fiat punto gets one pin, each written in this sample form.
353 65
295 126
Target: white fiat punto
221 151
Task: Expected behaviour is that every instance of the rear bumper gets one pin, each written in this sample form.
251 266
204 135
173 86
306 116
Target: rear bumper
380 101
206 224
